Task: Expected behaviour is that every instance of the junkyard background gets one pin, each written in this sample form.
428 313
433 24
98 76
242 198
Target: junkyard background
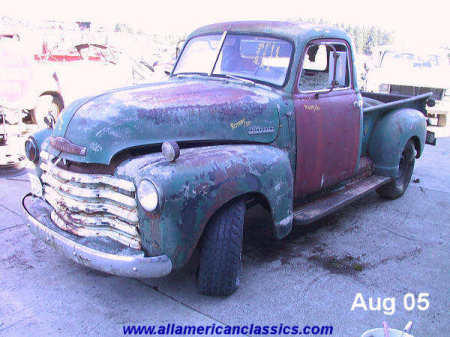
60 61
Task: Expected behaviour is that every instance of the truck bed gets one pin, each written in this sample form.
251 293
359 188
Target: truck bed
376 104
385 102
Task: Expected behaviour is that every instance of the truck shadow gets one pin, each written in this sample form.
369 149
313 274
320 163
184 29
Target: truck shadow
304 245
307 243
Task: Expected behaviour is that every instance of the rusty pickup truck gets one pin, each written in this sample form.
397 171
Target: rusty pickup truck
132 181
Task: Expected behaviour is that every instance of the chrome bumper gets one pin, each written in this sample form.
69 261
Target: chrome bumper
99 253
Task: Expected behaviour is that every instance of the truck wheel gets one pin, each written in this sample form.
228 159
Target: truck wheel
398 186
221 252
442 120
46 105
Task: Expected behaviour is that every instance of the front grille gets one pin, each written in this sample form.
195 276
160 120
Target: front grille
91 204
414 91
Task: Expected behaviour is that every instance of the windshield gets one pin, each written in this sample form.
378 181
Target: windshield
264 59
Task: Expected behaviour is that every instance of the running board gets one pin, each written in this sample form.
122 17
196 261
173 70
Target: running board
313 211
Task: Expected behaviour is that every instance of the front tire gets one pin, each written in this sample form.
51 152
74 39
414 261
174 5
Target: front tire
397 187
221 252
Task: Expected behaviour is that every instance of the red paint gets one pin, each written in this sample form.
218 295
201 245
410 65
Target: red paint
328 132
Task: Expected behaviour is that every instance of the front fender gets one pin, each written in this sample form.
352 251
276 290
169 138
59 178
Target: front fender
390 135
199 183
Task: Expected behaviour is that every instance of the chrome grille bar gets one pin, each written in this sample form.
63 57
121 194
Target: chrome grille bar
91 204
87 178
123 238
73 189
58 199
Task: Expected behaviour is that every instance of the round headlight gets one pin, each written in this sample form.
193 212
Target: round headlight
147 195
170 150
32 150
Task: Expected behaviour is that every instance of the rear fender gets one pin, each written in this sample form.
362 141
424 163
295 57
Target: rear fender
390 135
200 182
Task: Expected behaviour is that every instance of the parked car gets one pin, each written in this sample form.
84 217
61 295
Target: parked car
37 86
409 73
24 90
87 69
24 86
132 181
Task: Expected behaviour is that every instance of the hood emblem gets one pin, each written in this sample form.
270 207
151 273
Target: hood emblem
259 130
64 145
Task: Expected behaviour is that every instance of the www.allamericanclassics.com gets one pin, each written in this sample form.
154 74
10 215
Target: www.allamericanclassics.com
173 329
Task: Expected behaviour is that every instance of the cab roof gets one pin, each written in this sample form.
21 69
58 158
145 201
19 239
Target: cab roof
296 32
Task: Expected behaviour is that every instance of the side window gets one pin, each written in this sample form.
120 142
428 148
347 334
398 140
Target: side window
319 64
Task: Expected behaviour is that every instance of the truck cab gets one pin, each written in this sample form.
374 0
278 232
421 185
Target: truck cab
132 181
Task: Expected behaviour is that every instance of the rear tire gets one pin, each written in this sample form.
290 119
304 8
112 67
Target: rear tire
45 106
221 252
397 187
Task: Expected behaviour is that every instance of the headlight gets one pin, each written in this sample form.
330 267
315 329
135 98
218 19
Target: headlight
384 88
147 195
32 150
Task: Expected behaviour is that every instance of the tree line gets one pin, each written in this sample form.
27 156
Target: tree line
365 37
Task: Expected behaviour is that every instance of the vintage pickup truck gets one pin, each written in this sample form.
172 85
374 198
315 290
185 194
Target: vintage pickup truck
132 181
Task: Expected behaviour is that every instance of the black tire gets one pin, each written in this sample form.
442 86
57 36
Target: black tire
221 252
45 106
441 120
397 187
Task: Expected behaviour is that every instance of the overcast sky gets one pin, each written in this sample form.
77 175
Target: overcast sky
425 20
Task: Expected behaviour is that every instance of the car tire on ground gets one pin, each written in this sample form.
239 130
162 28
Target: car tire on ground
46 105
397 187
221 251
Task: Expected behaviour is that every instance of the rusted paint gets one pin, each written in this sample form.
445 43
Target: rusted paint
392 131
200 182
327 140
181 110
330 203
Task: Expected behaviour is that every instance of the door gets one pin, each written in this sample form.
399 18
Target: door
327 121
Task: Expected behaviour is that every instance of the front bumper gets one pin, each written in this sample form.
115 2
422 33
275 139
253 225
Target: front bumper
98 253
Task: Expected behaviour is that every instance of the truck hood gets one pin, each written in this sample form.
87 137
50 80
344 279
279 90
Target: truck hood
183 110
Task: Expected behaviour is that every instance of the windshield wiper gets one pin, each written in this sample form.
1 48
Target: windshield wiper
189 74
245 80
